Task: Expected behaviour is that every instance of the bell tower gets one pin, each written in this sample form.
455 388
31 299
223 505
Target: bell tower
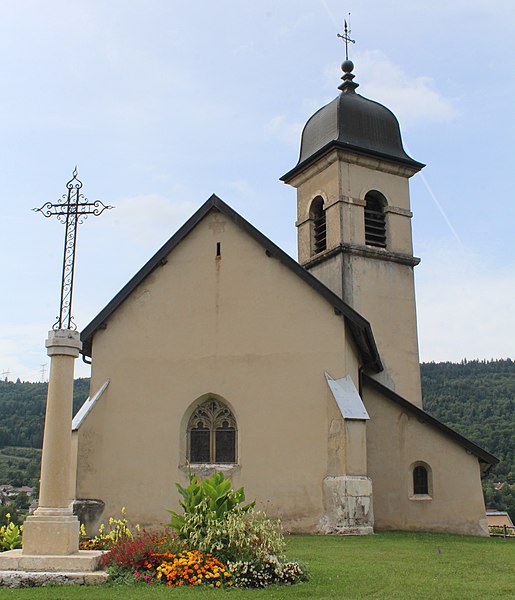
354 222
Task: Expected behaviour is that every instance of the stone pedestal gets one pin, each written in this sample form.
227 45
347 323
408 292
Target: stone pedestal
348 506
51 534
51 531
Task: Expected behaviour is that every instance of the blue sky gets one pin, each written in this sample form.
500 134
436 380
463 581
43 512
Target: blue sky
160 104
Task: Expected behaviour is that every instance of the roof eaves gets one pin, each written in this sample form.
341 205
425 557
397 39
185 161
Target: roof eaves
301 166
359 326
422 415
148 267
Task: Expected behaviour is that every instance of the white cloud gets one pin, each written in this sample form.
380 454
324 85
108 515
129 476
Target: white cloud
464 306
242 187
23 352
412 99
149 217
284 130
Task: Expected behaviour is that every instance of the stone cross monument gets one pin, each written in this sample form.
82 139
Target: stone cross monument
51 534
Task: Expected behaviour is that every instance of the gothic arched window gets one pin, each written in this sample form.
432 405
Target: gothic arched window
375 222
318 226
212 434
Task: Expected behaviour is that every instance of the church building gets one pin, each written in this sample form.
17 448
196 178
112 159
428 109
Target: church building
298 380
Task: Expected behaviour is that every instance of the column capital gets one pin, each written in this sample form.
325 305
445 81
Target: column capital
63 341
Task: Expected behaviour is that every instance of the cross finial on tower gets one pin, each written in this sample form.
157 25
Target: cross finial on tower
348 86
346 37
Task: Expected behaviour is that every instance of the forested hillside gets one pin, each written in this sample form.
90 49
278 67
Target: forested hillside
22 413
477 398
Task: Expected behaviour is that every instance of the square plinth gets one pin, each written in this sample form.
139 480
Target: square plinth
83 561
51 532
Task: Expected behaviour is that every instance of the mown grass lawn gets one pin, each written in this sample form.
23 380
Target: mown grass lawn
390 566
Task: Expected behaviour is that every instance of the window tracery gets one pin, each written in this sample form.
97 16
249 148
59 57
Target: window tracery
212 433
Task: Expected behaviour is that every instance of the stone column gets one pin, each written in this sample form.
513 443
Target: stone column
53 529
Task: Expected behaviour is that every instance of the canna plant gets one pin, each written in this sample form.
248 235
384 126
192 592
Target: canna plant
209 499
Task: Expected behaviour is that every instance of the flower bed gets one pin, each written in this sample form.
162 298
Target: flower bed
217 542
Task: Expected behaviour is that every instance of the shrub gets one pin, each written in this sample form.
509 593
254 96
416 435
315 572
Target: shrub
210 499
240 536
215 523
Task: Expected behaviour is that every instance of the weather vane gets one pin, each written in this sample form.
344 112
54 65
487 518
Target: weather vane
71 210
346 37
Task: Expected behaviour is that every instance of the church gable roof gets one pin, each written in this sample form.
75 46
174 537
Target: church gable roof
360 328
484 457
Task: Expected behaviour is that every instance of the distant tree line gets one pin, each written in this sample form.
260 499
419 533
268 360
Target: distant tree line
22 415
477 398
22 411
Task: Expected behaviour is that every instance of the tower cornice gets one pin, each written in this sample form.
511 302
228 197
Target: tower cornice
345 153
365 251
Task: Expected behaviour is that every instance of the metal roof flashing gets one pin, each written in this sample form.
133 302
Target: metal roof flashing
85 409
347 398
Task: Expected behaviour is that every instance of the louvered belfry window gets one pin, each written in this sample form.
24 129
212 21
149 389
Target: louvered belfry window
375 222
212 434
318 224
420 480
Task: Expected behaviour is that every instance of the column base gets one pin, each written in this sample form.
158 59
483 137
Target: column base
83 561
51 531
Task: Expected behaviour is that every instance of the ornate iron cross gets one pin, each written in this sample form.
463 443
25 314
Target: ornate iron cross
72 209
346 37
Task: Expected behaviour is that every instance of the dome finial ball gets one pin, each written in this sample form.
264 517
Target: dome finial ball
347 66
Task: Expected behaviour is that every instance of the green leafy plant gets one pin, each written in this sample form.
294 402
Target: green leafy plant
239 536
216 523
211 499
10 535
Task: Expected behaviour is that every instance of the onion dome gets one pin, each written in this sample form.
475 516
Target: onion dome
354 123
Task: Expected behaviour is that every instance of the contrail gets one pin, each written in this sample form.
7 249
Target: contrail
328 11
438 205
440 208
424 180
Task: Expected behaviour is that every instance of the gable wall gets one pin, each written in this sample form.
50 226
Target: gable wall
395 440
241 326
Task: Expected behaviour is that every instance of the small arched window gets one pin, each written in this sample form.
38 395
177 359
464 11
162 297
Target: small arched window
420 480
212 434
318 226
375 222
